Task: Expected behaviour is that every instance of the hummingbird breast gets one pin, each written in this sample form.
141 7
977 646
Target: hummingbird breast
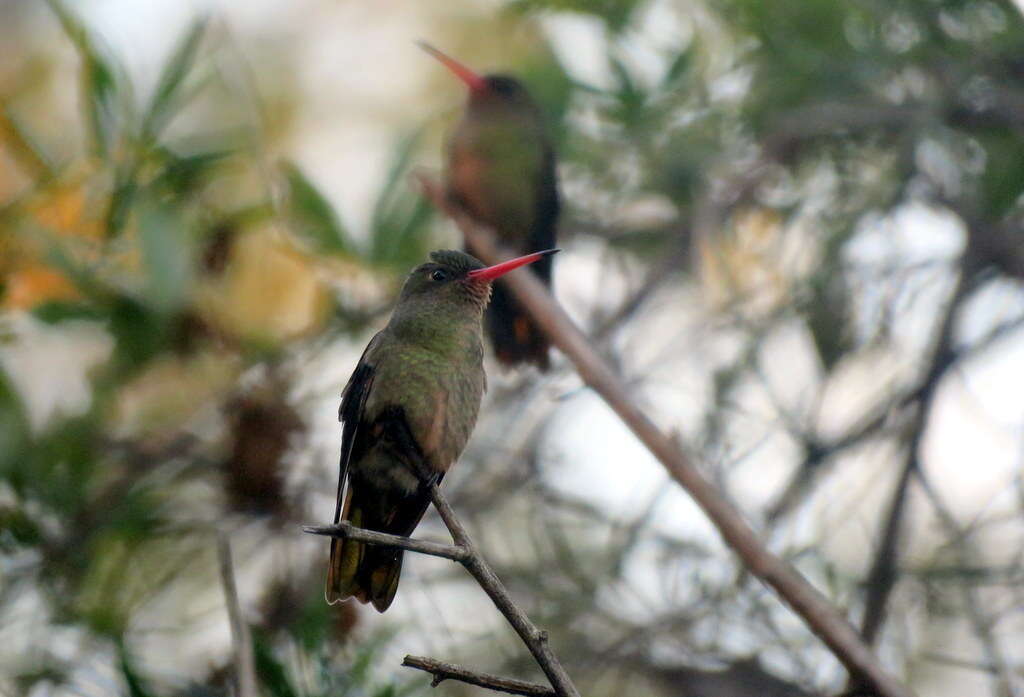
439 395
493 173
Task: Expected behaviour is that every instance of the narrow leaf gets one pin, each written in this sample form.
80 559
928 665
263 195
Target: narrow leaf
166 254
393 186
99 80
167 96
312 216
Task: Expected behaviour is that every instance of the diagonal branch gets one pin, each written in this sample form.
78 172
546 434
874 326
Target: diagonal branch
535 639
982 623
884 568
465 552
815 610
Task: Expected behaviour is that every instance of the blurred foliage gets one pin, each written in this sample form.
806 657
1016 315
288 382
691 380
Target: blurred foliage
163 231
739 148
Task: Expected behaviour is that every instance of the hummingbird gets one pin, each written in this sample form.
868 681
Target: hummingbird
500 170
407 411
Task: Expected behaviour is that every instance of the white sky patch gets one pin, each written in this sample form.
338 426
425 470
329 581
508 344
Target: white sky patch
579 44
49 365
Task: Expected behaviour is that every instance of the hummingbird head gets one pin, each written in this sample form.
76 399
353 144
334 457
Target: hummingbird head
485 90
456 278
446 296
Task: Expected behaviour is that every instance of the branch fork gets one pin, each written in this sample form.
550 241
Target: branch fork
466 553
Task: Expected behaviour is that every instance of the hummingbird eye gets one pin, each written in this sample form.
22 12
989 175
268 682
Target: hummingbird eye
438 275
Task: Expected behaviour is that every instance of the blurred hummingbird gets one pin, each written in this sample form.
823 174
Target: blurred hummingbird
407 412
501 171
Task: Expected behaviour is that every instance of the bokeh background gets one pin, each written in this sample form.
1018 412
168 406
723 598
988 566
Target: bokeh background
793 227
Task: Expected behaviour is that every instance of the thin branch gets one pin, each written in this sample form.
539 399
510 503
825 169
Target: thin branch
535 639
241 641
883 574
449 671
982 625
816 611
875 424
465 552
345 530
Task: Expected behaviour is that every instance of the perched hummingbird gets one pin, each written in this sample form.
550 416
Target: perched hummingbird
408 410
501 171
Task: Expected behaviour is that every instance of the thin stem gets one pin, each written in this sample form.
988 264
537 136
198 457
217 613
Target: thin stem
345 530
449 671
466 553
535 639
245 672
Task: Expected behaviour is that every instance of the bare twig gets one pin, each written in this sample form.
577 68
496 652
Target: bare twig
875 424
345 530
466 553
535 639
816 611
1007 682
882 577
245 672
449 671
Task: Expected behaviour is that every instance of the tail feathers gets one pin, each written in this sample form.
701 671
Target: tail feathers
346 558
368 574
515 337
381 571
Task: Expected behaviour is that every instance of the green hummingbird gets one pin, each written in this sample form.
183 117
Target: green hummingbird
407 412
501 171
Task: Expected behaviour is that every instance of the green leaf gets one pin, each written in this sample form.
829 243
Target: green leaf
184 174
270 672
167 96
400 215
121 200
614 13
313 217
393 184
22 143
630 96
1003 179
82 275
136 686
679 67
166 255
99 79
14 427
57 311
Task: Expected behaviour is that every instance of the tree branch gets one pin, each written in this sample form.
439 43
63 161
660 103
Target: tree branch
245 672
449 671
817 612
345 530
883 575
1007 681
535 639
465 552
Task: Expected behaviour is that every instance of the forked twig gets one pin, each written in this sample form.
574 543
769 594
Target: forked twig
465 552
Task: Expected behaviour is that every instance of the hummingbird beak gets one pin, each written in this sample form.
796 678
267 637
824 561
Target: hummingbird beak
474 82
492 272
